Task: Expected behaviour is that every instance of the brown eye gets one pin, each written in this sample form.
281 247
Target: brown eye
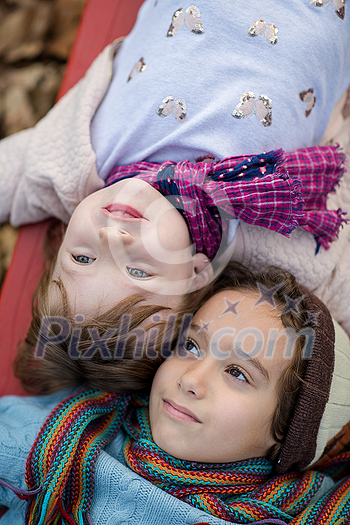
236 372
191 347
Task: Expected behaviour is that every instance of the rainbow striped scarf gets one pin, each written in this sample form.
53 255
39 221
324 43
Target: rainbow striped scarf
60 471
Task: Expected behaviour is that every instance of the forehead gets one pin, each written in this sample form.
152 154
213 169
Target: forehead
238 324
239 307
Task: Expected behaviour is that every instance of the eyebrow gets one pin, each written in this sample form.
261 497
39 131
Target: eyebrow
239 352
256 363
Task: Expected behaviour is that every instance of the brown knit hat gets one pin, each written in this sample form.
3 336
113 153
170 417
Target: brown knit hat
322 407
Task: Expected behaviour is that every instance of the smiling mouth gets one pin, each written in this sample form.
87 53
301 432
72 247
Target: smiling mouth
123 211
179 412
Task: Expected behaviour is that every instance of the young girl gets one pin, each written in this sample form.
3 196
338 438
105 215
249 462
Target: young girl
249 398
251 103
127 240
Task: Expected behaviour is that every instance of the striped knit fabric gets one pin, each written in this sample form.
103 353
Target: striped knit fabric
60 471
276 190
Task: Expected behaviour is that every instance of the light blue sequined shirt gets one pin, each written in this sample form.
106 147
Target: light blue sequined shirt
191 79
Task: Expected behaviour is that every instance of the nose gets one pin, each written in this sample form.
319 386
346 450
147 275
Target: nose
116 235
193 381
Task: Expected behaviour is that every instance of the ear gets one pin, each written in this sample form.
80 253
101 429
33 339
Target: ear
203 271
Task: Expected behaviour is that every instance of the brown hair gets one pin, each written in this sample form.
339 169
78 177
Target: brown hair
59 351
237 277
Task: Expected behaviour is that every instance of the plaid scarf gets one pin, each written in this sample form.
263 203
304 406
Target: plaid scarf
60 471
276 190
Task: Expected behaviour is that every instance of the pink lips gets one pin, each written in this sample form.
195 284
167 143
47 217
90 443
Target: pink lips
179 412
123 211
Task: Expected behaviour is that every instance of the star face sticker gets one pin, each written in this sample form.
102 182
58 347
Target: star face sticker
292 304
231 307
266 295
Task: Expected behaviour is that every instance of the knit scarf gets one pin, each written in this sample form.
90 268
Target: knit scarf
60 471
276 190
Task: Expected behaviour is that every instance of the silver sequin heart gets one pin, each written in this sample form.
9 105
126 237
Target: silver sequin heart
179 108
248 104
260 26
192 18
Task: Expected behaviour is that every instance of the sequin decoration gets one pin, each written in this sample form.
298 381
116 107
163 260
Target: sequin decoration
271 33
245 106
138 68
192 18
177 22
263 110
260 26
168 105
248 103
257 28
180 110
339 6
309 98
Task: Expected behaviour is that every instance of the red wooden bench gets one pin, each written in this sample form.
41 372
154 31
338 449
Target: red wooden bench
101 23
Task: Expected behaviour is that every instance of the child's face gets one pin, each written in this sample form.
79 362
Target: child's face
215 404
122 240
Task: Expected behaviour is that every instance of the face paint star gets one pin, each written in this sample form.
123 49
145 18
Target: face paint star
292 304
204 327
266 295
231 307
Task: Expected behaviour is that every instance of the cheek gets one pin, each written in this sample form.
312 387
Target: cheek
173 232
247 422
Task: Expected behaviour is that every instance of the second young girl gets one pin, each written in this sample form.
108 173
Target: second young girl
248 400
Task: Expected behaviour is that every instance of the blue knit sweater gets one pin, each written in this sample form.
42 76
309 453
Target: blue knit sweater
121 496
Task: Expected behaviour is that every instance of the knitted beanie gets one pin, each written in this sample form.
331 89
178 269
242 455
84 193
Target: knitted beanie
322 410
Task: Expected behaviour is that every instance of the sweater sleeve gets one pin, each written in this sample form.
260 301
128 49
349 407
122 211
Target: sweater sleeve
47 170
12 154
20 421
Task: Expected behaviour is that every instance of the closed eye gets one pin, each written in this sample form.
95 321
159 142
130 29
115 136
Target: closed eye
137 273
237 373
83 259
